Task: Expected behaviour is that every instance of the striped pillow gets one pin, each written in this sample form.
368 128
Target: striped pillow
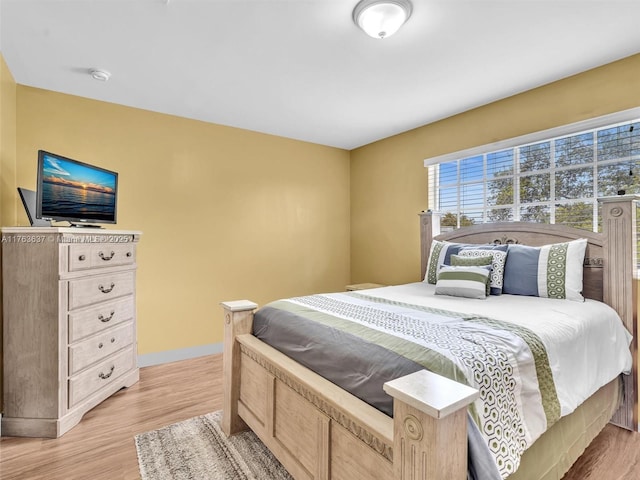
480 261
469 282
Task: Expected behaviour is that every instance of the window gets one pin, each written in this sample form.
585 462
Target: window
550 180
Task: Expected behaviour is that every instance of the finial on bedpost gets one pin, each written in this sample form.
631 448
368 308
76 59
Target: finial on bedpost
429 228
620 286
238 320
429 426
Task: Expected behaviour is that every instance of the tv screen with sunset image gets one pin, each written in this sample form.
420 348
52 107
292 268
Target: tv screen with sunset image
75 191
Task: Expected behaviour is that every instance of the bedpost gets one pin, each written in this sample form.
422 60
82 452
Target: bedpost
620 288
238 320
429 426
429 228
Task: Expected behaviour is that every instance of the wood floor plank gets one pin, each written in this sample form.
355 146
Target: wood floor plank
613 455
101 446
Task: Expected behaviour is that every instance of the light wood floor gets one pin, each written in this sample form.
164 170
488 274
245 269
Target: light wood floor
101 446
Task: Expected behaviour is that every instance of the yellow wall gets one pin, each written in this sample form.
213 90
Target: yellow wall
7 160
7 144
389 181
225 213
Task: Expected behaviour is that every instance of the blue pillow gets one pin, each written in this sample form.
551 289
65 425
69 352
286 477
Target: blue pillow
551 271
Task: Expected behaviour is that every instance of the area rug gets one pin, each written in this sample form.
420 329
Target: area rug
197 449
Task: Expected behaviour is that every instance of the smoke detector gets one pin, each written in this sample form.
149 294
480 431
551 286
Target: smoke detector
100 75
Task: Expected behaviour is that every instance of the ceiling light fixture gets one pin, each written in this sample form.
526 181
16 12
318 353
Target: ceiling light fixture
381 18
100 75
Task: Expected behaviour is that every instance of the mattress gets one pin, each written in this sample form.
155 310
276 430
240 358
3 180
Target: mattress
560 352
586 342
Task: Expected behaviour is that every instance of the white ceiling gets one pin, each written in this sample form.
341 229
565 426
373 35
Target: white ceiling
301 68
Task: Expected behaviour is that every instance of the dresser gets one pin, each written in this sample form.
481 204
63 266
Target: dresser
69 324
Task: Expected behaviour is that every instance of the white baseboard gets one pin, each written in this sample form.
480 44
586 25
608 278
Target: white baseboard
168 356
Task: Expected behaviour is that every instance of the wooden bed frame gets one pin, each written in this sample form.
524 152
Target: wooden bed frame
319 431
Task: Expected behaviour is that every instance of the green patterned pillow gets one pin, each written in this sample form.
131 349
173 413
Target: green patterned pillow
469 282
479 261
440 254
497 265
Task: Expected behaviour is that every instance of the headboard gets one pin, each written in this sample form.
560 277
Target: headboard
534 234
609 275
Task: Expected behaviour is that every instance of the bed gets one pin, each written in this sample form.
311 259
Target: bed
440 427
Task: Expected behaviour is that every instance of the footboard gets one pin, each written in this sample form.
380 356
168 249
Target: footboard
319 431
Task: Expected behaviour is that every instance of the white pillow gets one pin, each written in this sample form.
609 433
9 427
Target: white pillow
497 265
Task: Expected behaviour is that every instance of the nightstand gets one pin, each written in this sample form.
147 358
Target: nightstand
362 286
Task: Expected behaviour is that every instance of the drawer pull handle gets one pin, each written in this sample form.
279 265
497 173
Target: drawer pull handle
106 290
104 319
106 259
113 340
82 258
100 345
104 376
129 254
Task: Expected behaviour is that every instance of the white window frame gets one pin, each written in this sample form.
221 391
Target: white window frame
586 126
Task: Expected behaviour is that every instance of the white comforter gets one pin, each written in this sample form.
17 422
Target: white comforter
587 344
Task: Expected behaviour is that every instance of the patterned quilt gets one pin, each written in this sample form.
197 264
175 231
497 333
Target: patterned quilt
383 339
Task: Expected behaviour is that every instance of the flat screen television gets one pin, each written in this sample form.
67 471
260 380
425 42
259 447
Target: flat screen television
73 191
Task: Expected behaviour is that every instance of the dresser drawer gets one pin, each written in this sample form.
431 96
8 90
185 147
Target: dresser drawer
94 349
88 321
104 373
100 288
83 257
